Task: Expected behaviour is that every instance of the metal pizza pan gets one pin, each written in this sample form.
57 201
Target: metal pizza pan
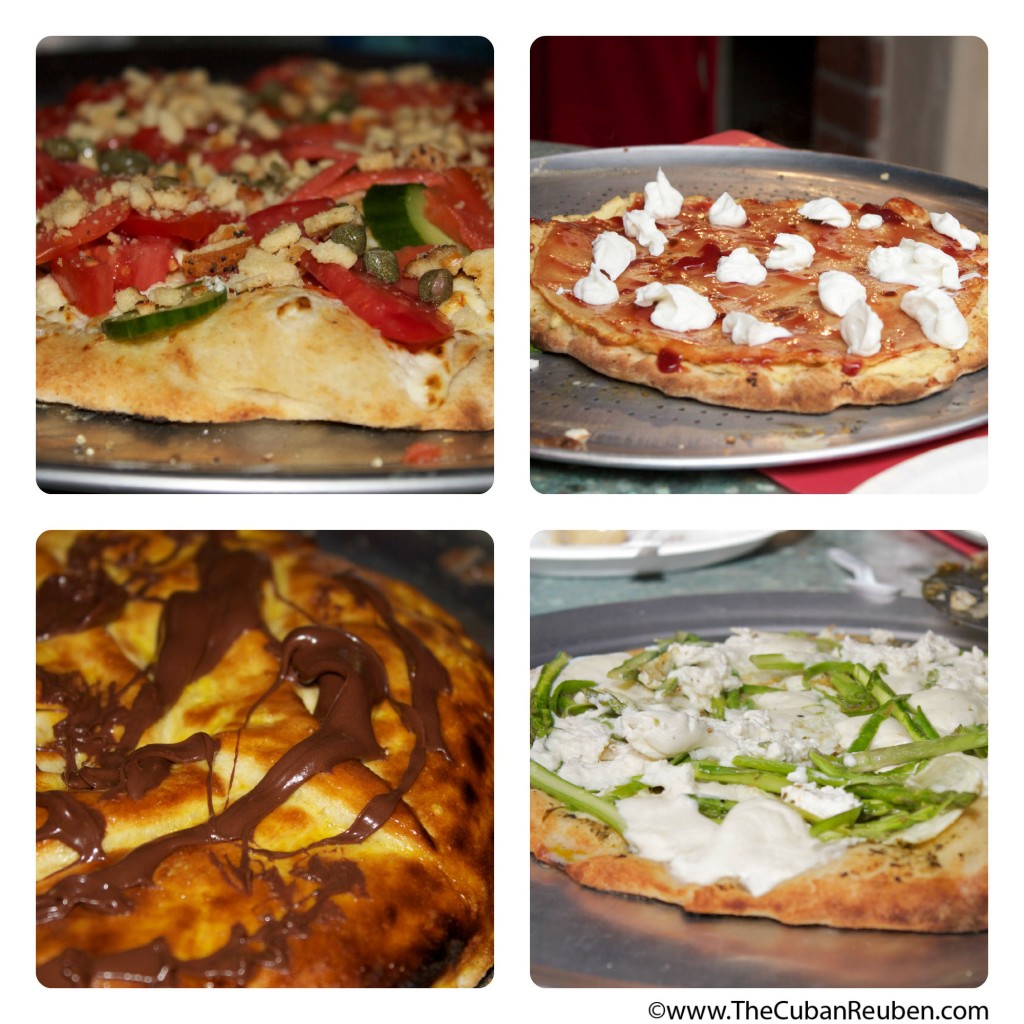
94 452
635 427
584 938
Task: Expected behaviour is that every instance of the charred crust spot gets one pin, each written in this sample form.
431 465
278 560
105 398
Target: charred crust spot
477 755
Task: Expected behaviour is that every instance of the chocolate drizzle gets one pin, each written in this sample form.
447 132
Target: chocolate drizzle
197 629
81 597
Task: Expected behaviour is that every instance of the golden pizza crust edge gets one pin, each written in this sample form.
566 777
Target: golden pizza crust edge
275 353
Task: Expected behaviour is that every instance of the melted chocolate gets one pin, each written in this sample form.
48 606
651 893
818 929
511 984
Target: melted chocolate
197 629
81 597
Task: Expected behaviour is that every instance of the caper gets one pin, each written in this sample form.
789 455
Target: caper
436 286
61 148
351 235
382 263
163 182
125 162
270 93
344 104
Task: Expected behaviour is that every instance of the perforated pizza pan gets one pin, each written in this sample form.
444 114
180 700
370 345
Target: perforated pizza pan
580 937
631 426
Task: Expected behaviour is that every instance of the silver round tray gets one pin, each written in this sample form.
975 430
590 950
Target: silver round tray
636 427
580 937
94 452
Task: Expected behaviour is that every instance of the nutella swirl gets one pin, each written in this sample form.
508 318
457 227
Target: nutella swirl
98 740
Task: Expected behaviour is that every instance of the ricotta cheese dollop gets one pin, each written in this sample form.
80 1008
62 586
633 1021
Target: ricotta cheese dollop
790 252
661 200
916 263
827 211
676 307
725 212
946 224
612 253
838 291
861 329
596 289
939 316
748 330
741 266
639 224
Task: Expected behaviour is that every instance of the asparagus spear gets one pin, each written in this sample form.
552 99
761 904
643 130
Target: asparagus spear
575 797
541 718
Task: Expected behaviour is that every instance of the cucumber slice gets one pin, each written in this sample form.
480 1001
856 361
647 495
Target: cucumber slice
394 213
201 298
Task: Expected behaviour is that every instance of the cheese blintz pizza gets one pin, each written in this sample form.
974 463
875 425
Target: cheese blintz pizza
812 779
256 765
801 305
313 244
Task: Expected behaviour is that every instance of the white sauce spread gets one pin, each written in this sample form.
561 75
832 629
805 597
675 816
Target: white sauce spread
634 728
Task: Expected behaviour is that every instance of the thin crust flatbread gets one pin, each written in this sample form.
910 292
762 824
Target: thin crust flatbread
812 372
937 886
257 766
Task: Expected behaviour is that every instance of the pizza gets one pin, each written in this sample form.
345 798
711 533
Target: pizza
314 244
802 305
813 779
257 765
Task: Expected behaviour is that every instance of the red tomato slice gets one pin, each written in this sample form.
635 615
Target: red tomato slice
422 453
90 277
360 181
193 228
321 133
399 317
58 242
264 221
142 262
459 209
53 176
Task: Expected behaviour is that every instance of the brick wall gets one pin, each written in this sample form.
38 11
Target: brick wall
849 79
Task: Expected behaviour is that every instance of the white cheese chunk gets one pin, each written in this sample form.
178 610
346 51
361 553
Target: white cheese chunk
838 291
939 316
612 253
790 252
748 330
639 224
596 289
861 329
947 224
725 212
827 211
661 200
676 307
740 266
916 263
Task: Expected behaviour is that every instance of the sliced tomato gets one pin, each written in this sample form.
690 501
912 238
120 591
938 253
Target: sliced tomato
398 317
87 282
58 242
408 253
476 116
391 95
91 276
422 453
362 180
262 222
53 176
319 133
458 208
193 228
314 187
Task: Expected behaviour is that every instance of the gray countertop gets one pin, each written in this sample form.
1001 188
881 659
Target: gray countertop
790 561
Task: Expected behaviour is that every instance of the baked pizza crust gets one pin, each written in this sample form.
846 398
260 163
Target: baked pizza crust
764 378
411 904
938 886
284 353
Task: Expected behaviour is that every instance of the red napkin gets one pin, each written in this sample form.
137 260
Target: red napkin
956 542
842 475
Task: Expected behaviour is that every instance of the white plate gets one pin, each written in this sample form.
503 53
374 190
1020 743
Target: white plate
643 551
960 468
